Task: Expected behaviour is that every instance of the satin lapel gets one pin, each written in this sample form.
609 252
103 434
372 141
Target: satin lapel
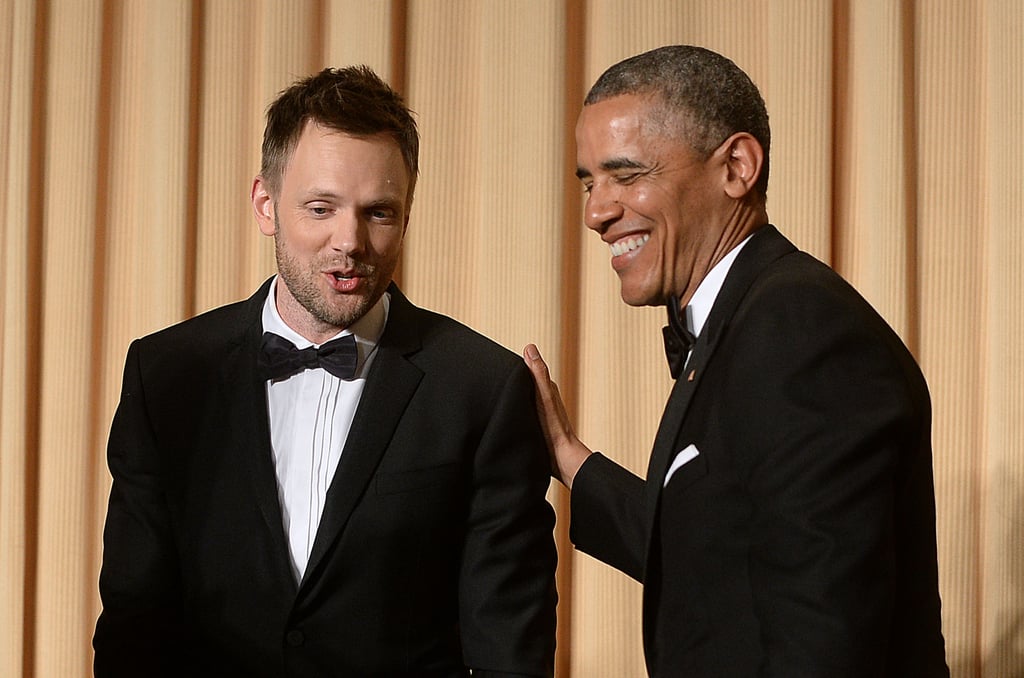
764 247
668 430
250 421
389 387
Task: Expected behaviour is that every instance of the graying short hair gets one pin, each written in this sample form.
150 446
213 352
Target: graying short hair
707 98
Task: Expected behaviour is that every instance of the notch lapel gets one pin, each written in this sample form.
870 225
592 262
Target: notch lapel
390 385
671 423
764 247
249 420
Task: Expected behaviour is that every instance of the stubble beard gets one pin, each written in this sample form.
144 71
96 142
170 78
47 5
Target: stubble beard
301 281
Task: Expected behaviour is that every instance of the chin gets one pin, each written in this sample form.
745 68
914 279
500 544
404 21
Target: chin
640 290
639 295
637 300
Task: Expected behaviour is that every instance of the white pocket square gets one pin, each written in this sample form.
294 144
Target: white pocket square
688 454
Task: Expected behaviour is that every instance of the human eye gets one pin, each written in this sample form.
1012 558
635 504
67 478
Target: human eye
382 214
318 210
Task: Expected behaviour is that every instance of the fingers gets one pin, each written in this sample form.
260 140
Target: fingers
549 401
536 363
548 398
567 452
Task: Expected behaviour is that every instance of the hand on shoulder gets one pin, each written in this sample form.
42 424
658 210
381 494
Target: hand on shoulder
566 450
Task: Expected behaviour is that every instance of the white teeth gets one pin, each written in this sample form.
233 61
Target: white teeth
629 244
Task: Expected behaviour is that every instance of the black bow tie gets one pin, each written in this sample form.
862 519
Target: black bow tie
279 358
678 339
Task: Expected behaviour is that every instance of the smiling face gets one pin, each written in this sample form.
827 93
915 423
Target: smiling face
338 226
657 204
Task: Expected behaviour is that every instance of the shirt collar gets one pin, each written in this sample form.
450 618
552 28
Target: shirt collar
699 308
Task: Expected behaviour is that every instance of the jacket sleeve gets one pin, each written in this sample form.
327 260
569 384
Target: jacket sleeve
507 575
607 517
139 627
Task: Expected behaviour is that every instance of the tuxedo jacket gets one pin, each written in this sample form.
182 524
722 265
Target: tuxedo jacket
435 550
795 535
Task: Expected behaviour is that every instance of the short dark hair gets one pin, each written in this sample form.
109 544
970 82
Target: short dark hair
709 96
352 100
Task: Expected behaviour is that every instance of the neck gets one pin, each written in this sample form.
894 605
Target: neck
744 220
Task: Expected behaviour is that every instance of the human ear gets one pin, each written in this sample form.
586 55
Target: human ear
744 159
263 206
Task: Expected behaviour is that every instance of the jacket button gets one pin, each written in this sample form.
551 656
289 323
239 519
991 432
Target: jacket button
295 638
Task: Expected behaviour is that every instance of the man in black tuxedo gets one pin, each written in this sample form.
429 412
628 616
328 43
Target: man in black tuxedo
786 526
325 480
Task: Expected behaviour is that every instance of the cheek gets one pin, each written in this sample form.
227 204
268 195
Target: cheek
303 238
386 243
656 207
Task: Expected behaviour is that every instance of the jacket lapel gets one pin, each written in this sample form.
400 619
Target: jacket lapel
668 429
249 419
389 387
764 247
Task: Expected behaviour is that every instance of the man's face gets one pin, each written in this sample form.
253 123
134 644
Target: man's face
338 225
650 197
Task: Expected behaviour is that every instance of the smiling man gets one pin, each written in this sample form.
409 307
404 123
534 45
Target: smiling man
786 525
325 480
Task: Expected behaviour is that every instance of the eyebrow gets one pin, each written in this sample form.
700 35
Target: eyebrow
386 199
320 194
391 203
612 165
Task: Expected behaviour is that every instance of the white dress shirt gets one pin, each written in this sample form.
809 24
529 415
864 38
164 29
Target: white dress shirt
703 299
310 416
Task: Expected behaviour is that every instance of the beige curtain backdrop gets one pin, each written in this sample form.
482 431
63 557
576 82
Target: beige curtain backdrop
129 135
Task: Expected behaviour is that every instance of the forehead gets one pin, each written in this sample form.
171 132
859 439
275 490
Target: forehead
627 126
322 153
616 119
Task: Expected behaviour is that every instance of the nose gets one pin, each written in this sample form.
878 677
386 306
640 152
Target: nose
348 233
602 208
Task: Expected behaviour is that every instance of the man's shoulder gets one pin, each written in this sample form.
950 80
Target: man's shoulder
444 333
206 335
776 269
208 329
798 301
444 339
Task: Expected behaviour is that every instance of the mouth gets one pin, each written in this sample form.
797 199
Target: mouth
345 280
630 243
